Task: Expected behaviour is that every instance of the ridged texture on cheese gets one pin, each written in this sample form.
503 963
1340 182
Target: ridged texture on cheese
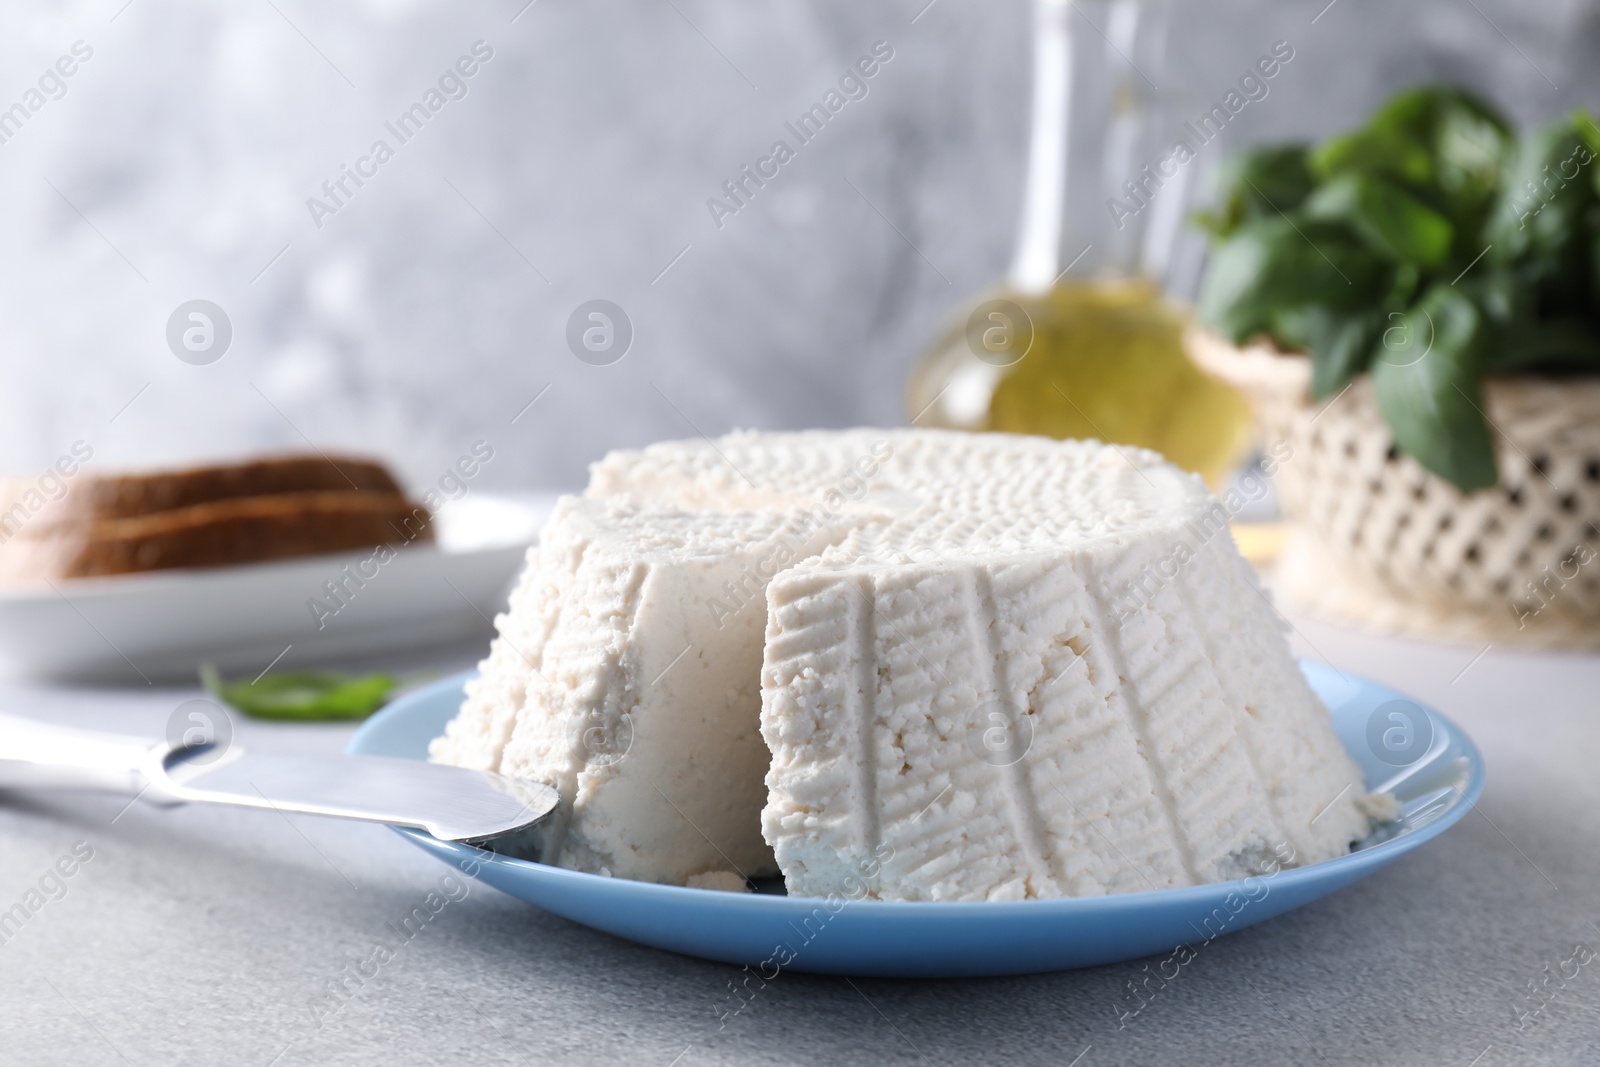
1000 668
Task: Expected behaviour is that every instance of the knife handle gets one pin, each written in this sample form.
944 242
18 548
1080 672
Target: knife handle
37 755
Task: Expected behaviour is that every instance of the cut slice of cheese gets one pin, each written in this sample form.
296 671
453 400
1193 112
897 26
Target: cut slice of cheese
983 667
627 675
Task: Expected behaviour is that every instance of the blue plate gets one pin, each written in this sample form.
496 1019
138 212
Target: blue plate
1425 759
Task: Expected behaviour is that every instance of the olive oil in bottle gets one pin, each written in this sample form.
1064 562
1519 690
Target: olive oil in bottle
1093 350
1105 360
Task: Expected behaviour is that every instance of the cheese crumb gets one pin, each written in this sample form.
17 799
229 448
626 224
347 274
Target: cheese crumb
725 881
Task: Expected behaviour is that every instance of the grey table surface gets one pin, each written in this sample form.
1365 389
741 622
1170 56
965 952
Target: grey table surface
197 936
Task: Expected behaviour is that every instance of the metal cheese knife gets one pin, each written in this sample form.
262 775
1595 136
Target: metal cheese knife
451 803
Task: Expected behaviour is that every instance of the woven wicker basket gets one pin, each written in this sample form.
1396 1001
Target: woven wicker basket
1376 540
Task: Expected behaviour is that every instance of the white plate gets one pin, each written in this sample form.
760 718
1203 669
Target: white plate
165 623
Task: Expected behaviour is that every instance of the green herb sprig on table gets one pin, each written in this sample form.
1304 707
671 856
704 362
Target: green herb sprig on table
303 696
1429 248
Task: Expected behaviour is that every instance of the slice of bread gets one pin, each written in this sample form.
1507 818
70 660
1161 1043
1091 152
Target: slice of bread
211 516
91 497
241 529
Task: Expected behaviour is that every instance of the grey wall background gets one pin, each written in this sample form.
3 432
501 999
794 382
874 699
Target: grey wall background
432 308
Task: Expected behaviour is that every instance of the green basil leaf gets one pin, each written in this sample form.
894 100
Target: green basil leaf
1510 309
1589 129
1391 220
1425 136
1275 264
1341 346
1503 295
1471 146
1258 183
1407 280
1542 206
1471 141
1427 375
305 696
1374 151
1443 144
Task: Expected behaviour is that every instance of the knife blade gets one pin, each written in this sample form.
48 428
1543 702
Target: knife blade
451 803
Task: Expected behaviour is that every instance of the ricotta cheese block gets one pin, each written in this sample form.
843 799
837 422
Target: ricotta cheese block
921 665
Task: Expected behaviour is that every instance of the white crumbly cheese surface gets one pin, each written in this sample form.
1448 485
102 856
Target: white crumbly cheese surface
617 680
983 667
